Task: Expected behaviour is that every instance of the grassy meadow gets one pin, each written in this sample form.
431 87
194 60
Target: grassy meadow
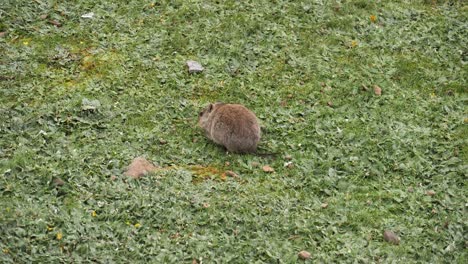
364 102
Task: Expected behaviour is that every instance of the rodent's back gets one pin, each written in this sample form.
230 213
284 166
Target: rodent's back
233 126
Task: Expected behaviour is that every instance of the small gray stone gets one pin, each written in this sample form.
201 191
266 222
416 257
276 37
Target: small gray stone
194 66
87 104
391 237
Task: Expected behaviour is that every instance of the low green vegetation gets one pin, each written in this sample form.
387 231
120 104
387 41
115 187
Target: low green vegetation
80 98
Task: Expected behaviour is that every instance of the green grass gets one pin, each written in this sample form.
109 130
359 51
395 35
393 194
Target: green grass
285 60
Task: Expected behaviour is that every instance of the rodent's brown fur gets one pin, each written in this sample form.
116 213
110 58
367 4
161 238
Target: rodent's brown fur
231 125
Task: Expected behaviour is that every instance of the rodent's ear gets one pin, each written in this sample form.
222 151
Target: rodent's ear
210 108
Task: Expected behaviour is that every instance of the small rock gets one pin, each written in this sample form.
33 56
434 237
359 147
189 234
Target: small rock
391 237
194 66
88 15
87 104
139 167
162 141
330 104
304 255
268 169
377 90
430 193
324 205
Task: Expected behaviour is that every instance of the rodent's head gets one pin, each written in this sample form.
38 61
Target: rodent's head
204 115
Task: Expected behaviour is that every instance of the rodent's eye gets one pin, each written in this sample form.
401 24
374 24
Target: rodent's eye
200 114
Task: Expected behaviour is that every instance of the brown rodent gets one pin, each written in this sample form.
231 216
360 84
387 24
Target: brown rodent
231 125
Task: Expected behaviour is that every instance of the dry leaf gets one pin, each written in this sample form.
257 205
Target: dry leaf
304 255
268 169
330 104
55 23
139 167
324 205
44 16
58 182
377 90
232 174
255 164
430 193
373 18
391 237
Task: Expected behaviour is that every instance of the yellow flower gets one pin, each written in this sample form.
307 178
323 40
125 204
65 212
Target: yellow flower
50 228
433 95
152 4
93 213
354 43
137 225
373 18
59 236
6 250
25 43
